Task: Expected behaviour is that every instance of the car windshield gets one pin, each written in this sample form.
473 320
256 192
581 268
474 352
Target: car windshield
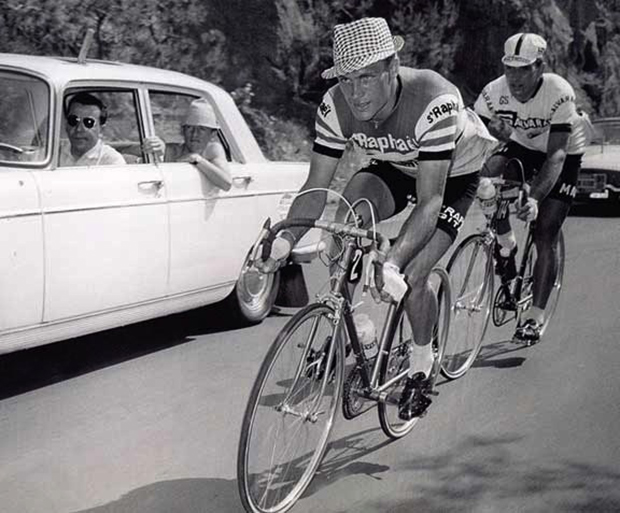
607 131
24 118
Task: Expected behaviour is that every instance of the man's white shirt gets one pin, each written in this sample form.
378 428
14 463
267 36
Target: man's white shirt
99 155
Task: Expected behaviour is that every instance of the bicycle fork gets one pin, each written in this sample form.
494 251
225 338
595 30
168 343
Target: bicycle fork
320 367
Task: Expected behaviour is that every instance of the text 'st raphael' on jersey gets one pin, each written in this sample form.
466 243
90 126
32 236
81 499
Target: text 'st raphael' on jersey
429 122
551 108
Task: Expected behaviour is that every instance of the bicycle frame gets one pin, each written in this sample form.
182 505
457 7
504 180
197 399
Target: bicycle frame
515 291
339 298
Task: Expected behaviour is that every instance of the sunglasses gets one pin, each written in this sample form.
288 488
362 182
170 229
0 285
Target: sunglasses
74 120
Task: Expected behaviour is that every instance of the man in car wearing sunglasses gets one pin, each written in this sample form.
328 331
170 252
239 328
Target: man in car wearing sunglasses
85 116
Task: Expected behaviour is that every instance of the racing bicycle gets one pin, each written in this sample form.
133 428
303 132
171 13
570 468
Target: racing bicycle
472 270
304 377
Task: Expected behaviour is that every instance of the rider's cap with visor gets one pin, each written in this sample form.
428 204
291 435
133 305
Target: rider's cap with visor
200 113
523 49
360 44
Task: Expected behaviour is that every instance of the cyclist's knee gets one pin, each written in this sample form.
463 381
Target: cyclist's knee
371 188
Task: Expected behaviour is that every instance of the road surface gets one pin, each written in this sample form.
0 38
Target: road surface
145 419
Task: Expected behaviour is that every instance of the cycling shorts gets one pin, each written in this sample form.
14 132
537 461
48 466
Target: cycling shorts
565 189
458 196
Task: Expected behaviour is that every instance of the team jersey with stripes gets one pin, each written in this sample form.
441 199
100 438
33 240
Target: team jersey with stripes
551 108
427 123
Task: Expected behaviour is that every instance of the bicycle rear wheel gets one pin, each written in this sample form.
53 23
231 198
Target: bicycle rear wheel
290 413
554 296
397 359
471 274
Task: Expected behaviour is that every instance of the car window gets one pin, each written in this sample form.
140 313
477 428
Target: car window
121 128
170 111
24 118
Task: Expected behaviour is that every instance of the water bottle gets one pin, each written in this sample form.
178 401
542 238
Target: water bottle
486 195
367 335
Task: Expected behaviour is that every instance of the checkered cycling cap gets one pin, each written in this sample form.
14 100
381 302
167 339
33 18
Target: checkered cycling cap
523 49
360 44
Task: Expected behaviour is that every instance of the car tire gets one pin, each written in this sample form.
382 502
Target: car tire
253 296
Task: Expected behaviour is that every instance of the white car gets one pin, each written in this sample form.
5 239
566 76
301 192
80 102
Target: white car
83 249
599 178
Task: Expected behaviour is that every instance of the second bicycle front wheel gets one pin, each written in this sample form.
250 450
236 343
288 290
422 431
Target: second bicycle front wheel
471 274
290 412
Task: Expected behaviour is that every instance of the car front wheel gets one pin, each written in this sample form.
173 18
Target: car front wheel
253 296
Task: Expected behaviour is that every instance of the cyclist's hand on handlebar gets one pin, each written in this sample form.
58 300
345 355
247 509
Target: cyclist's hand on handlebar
272 257
388 283
527 207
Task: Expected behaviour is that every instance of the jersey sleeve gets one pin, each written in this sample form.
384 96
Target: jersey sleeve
564 113
329 139
483 105
437 128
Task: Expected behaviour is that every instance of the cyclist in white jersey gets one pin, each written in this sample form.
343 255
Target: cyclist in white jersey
415 138
535 114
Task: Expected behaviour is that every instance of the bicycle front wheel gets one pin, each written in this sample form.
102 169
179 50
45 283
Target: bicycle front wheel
471 274
396 362
290 412
528 279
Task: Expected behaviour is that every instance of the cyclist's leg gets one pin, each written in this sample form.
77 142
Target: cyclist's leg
496 166
387 190
421 304
370 184
551 216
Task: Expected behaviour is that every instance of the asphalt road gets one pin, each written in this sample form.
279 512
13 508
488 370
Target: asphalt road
145 419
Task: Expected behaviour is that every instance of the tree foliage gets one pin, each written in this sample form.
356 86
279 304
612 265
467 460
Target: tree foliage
280 47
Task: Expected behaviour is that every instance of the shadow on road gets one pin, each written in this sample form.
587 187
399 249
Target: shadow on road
178 495
480 474
27 370
483 474
495 355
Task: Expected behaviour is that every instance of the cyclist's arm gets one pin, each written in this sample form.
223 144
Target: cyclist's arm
420 225
322 169
546 178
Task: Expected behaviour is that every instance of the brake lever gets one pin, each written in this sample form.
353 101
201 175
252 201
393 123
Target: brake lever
261 241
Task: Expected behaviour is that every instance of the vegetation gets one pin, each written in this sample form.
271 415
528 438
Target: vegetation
270 53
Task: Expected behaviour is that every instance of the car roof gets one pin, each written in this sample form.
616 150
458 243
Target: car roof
62 70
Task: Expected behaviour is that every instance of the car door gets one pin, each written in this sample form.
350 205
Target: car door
21 251
106 226
211 230
24 118
206 223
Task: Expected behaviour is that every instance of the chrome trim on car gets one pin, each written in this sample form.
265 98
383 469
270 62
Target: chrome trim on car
34 335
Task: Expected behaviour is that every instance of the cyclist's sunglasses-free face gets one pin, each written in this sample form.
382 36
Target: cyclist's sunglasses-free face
74 121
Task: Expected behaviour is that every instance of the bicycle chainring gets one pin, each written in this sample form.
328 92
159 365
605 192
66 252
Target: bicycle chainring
353 401
504 307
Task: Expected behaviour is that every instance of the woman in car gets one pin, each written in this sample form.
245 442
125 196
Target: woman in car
201 145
